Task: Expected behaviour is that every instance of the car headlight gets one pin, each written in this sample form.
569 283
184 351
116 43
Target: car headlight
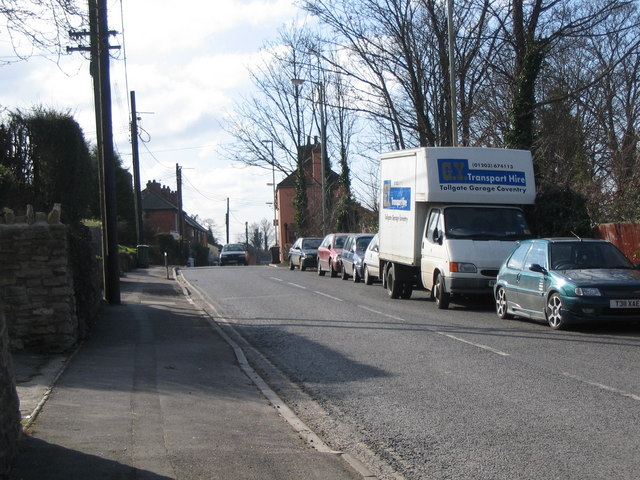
462 267
587 292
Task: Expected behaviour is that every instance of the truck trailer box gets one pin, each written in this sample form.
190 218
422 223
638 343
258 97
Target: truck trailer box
415 179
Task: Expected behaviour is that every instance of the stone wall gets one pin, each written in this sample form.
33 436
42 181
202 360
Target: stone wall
36 284
9 407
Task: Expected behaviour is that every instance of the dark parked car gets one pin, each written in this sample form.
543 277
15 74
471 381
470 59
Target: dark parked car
328 253
565 280
304 253
234 254
352 256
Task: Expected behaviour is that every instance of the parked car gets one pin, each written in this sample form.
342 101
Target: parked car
328 253
370 264
566 280
353 254
304 253
234 254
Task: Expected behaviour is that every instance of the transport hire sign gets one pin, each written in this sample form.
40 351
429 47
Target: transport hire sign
457 175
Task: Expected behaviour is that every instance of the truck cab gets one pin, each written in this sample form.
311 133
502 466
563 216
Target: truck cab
463 246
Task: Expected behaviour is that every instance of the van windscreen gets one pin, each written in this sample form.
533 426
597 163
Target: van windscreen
485 223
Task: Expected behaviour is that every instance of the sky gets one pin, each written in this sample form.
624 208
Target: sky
187 68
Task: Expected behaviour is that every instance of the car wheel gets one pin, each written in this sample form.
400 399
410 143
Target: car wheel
439 295
393 286
291 265
553 312
367 276
332 272
501 305
320 271
356 276
343 273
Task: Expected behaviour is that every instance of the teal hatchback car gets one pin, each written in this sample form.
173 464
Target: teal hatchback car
568 280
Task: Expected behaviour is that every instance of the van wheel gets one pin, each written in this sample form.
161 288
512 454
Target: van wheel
394 287
302 267
440 296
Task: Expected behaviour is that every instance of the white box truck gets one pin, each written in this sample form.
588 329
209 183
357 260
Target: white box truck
449 216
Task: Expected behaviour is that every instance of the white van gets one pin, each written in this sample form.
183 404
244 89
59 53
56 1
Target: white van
449 216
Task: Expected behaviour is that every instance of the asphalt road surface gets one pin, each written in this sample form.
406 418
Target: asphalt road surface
430 394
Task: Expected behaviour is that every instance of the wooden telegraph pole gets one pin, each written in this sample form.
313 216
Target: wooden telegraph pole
102 84
136 170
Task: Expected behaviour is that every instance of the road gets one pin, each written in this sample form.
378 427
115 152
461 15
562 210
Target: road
432 394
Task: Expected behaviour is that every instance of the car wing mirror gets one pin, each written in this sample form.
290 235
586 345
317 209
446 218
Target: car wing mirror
535 267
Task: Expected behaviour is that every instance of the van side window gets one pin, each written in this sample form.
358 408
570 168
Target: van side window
433 221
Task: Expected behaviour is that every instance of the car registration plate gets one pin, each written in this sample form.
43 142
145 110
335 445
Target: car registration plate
624 303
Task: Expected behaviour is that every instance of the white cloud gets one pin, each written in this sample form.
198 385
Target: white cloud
187 66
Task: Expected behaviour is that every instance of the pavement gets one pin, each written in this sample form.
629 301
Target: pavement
158 392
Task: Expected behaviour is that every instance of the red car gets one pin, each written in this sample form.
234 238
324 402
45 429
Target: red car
328 253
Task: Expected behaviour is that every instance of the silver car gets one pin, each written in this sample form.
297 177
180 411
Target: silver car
371 265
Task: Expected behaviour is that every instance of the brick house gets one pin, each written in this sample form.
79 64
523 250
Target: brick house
286 229
160 214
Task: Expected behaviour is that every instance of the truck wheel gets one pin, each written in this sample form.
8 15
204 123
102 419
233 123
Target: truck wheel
407 290
393 286
440 296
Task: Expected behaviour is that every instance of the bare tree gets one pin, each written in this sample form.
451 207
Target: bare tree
533 31
267 230
270 127
33 26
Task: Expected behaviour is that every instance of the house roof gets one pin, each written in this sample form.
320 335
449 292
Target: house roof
307 151
153 201
194 224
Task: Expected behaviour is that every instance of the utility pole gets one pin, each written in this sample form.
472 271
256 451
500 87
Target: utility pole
136 170
246 233
180 215
227 220
452 76
102 83
99 68
323 156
